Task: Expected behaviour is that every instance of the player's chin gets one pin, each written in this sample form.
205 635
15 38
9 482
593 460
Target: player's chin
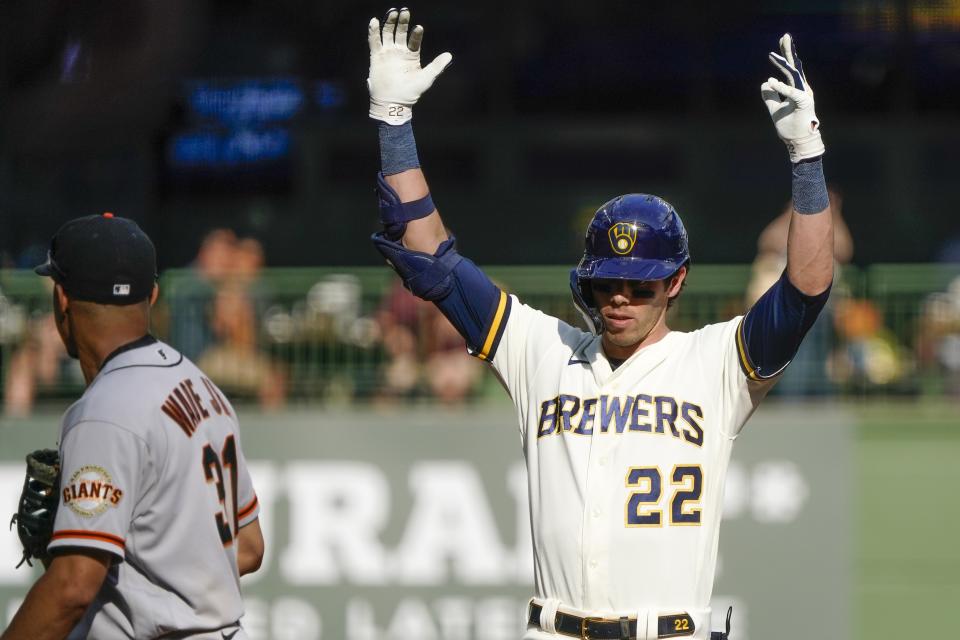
622 336
617 326
625 332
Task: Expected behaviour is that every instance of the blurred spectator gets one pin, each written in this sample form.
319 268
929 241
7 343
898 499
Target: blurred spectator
39 362
192 297
247 260
868 353
234 361
246 271
807 373
938 345
215 314
771 257
425 352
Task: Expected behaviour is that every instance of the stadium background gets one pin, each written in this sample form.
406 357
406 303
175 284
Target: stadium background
248 117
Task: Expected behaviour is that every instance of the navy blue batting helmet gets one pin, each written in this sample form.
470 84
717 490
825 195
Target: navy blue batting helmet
632 237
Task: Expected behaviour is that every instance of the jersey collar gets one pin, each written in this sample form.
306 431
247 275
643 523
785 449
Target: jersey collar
143 352
637 365
130 346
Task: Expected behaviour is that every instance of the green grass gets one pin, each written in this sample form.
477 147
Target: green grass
907 549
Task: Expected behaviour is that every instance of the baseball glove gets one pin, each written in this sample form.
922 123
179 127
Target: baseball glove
38 504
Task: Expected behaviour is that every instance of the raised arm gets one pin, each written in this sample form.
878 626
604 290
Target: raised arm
772 330
414 240
810 240
396 82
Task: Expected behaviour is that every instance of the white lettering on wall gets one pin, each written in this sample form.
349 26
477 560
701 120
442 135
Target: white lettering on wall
337 510
294 619
450 526
11 484
412 619
447 618
286 618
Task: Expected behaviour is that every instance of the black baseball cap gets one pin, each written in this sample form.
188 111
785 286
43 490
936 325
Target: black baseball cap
102 258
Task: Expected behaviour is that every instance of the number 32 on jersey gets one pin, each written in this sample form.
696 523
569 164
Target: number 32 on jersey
644 509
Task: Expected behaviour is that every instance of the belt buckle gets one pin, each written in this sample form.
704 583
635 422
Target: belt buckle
583 626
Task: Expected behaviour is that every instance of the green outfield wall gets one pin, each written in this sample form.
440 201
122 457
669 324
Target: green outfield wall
411 523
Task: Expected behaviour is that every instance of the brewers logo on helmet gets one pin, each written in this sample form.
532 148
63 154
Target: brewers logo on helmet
632 237
623 236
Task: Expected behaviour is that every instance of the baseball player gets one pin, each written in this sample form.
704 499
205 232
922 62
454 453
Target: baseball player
627 427
157 517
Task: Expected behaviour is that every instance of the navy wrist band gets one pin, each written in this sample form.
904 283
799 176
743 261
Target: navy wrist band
809 187
398 148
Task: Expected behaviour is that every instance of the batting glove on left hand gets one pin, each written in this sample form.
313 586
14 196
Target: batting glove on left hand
791 104
396 80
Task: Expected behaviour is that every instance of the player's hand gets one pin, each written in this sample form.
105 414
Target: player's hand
396 80
791 104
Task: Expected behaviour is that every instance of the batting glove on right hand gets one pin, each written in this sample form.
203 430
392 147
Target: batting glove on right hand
791 104
396 80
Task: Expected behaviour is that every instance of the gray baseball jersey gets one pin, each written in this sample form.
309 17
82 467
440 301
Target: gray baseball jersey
152 471
626 467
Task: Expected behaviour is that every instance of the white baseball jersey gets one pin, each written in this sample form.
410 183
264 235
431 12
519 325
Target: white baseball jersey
152 472
626 467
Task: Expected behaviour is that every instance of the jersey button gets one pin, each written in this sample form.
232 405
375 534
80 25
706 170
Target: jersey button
603 461
596 512
593 564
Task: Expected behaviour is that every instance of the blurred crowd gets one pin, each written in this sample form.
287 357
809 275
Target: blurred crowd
863 344
270 337
256 342
425 352
216 318
37 363
938 344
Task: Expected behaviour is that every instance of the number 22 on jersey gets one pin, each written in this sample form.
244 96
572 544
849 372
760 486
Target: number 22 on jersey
213 471
643 504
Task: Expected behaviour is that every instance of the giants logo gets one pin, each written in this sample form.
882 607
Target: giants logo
623 236
91 491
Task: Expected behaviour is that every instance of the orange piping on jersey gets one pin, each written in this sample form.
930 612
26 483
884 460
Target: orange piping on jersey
248 509
88 535
744 358
494 327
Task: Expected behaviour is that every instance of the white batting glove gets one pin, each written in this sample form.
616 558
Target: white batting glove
791 104
396 80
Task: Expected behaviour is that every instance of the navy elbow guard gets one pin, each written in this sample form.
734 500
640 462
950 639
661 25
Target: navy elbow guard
770 334
394 215
475 306
426 276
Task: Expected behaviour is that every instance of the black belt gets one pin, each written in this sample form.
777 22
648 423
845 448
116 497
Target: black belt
671 626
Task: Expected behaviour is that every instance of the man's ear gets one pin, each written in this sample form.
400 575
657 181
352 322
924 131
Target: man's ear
677 281
154 294
61 299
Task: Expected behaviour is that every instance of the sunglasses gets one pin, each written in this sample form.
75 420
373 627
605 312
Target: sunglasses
636 289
